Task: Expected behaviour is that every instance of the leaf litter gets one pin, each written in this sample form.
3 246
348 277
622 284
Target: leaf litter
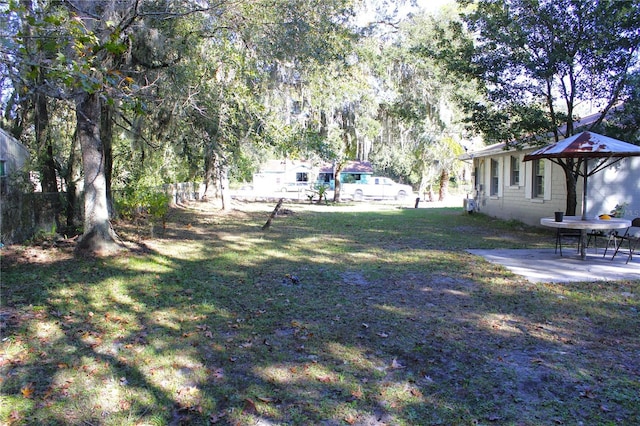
386 342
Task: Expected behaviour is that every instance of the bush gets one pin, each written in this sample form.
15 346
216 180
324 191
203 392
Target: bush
142 202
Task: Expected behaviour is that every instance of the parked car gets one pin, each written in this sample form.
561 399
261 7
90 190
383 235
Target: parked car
377 188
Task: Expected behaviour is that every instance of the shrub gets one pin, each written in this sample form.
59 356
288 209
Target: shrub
143 202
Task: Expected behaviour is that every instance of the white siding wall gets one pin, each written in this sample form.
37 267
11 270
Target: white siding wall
12 152
617 184
515 202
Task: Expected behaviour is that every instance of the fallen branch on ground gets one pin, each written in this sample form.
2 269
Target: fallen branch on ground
273 214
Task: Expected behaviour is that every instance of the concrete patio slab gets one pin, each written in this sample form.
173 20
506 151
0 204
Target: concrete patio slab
545 266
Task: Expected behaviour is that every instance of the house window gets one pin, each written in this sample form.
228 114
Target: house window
476 178
515 171
495 178
351 178
325 177
302 177
538 179
296 107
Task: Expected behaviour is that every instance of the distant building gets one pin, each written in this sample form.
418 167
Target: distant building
13 157
352 172
281 175
291 175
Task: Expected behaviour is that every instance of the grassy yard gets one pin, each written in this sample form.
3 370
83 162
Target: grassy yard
332 316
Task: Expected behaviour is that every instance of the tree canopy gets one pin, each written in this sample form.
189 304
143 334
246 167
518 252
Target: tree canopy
542 65
133 94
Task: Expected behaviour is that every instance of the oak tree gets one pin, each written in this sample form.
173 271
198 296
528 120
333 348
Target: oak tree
539 62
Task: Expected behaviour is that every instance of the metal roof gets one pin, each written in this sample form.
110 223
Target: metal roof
586 144
498 148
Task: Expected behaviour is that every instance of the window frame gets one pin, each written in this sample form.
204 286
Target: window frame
514 171
538 178
494 178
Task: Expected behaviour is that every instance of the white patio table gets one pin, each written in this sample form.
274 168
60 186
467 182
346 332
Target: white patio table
584 225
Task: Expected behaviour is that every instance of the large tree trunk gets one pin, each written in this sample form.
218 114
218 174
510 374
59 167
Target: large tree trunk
106 136
226 195
571 182
45 147
337 190
47 164
222 175
444 185
70 178
214 178
98 236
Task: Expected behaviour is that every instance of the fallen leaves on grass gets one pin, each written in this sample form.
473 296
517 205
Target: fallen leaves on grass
265 339
217 375
27 390
395 365
588 394
249 407
416 392
357 394
217 417
325 379
351 419
15 416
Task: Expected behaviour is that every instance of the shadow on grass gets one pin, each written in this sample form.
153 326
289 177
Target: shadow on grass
327 318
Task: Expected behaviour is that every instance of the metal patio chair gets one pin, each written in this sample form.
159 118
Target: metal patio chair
608 235
567 234
632 236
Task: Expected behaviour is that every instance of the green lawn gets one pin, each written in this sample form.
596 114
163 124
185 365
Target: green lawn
332 316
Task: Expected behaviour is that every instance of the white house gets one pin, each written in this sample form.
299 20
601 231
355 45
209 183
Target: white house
508 188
